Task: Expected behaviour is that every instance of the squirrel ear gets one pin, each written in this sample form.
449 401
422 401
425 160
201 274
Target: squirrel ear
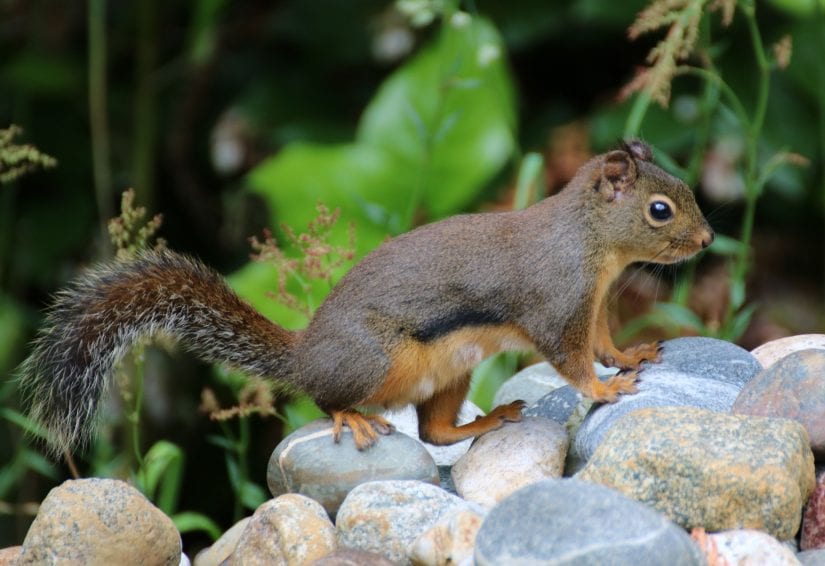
618 173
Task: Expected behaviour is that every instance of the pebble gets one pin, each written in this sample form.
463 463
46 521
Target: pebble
507 459
568 521
813 519
811 557
222 548
310 463
694 372
449 542
290 530
406 421
352 557
100 521
771 352
388 516
710 470
9 556
746 546
793 388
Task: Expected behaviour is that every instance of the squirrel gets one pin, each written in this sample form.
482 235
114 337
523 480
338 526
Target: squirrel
408 323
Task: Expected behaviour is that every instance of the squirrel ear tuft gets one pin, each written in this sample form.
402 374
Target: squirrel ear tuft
638 149
618 173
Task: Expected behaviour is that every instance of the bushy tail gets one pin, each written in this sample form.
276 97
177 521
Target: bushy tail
96 320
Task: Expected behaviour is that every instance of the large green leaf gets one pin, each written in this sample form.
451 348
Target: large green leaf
448 116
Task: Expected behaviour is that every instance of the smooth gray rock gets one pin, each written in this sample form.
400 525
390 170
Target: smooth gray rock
529 385
388 516
812 557
308 462
573 522
504 460
710 470
100 521
694 372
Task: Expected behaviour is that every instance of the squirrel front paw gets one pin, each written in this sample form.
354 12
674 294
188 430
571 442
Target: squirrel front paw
609 391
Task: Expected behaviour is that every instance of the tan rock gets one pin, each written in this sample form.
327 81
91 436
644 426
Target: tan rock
100 521
9 556
505 460
771 352
449 542
290 530
222 548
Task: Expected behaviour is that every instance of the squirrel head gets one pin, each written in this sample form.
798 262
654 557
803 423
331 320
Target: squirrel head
646 213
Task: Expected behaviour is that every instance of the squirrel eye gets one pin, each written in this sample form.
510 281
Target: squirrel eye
660 210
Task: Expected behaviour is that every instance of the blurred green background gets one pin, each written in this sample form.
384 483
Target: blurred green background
230 117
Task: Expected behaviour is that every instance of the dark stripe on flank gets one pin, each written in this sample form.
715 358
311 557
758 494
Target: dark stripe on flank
452 321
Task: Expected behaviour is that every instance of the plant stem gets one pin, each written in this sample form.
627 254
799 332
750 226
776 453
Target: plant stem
145 54
98 116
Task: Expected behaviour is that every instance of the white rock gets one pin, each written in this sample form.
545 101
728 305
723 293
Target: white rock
534 382
504 460
773 351
406 421
747 546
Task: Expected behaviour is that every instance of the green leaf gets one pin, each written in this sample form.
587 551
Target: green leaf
726 246
673 314
529 182
162 473
24 422
300 411
252 495
740 322
448 116
188 521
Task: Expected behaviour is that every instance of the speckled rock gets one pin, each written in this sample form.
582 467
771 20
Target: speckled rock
222 548
573 522
746 546
704 469
352 557
406 421
507 459
449 542
793 388
388 516
310 463
771 352
100 521
9 556
813 519
694 372
290 530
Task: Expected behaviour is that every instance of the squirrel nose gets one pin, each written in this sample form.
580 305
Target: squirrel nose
707 239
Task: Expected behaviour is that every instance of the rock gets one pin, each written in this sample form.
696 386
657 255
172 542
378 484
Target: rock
793 388
705 469
771 352
568 521
222 548
290 530
811 557
388 516
813 519
745 546
310 463
184 560
352 557
529 385
9 556
694 372
504 460
100 521
449 542
406 421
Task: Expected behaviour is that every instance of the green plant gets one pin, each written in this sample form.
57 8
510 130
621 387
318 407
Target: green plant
17 160
688 38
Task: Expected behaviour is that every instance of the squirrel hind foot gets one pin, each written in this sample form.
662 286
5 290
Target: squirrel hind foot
365 428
